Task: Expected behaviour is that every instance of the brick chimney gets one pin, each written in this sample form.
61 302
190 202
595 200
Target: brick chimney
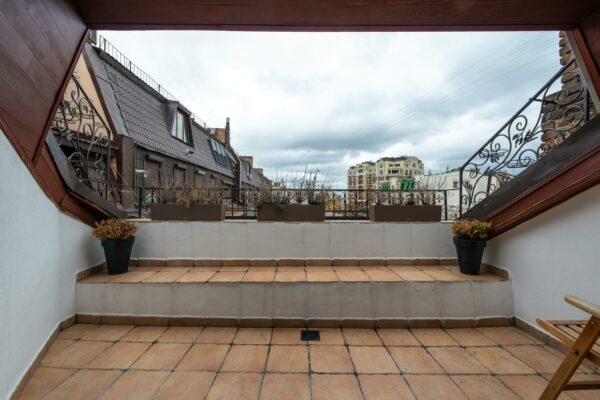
223 135
260 171
219 134
248 159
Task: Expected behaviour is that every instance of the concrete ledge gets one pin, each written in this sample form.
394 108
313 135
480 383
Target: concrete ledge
284 240
302 300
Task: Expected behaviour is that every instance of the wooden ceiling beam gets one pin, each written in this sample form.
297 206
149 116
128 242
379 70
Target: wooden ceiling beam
337 15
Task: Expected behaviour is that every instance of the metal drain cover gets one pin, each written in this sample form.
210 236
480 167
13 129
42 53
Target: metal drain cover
310 335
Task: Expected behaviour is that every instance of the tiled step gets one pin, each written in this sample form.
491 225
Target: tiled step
236 289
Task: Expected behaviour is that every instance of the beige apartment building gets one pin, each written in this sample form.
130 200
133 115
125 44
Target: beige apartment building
385 173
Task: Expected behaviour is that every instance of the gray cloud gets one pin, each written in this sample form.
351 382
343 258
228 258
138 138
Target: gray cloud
329 100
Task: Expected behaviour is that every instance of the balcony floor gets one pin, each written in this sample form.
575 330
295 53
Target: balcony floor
143 362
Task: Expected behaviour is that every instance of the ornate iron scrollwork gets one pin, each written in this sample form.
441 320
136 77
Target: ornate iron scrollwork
84 137
543 123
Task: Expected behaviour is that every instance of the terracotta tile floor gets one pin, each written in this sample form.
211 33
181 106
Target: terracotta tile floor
289 274
146 362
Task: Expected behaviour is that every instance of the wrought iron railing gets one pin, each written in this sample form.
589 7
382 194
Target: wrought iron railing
557 110
85 138
339 203
101 42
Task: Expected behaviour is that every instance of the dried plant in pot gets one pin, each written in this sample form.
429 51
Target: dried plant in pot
470 237
117 237
302 199
404 206
203 203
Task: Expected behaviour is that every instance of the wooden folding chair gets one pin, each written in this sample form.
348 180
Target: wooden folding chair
580 337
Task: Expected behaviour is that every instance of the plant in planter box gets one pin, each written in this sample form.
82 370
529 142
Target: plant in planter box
404 206
117 237
302 199
469 239
204 203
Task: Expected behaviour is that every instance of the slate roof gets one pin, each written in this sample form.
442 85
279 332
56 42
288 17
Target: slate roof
140 112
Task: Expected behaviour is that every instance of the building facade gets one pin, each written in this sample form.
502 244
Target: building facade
157 141
387 173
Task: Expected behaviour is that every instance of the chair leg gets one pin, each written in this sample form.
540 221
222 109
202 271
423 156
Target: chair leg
573 359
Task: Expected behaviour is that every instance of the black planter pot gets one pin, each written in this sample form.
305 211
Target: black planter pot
470 254
118 253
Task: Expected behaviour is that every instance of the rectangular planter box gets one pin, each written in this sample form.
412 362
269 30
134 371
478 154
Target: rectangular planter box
291 212
196 212
383 213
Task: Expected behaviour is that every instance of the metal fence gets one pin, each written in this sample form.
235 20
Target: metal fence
342 204
555 111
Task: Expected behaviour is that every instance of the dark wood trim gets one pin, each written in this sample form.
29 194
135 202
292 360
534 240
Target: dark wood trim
367 15
570 181
591 68
337 28
42 140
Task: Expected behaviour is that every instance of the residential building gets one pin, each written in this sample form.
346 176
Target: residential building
361 176
385 173
157 140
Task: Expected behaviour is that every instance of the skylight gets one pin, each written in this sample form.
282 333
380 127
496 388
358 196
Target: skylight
220 153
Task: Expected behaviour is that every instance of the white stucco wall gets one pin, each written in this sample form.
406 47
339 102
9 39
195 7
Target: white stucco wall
255 240
300 300
41 250
554 254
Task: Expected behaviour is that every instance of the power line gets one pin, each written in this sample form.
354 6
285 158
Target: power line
484 77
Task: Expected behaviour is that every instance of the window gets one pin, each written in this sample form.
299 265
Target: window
220 153
179 129
455 184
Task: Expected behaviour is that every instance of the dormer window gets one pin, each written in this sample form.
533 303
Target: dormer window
180 128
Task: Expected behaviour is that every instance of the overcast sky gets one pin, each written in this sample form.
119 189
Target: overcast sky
330 100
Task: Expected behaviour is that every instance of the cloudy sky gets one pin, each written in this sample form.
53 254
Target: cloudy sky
330 100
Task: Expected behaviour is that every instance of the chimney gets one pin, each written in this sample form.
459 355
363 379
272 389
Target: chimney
219 134
260 171
248 159
227 133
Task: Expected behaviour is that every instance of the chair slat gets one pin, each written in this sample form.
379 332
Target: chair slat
568 336
576 328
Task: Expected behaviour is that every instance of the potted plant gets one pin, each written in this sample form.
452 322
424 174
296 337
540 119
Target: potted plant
469 239
398 206
117 237
204 203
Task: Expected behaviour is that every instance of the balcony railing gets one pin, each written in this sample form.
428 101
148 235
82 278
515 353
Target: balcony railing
555 112
85 138
339 203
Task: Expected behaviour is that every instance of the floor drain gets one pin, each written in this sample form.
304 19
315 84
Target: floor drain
310 335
